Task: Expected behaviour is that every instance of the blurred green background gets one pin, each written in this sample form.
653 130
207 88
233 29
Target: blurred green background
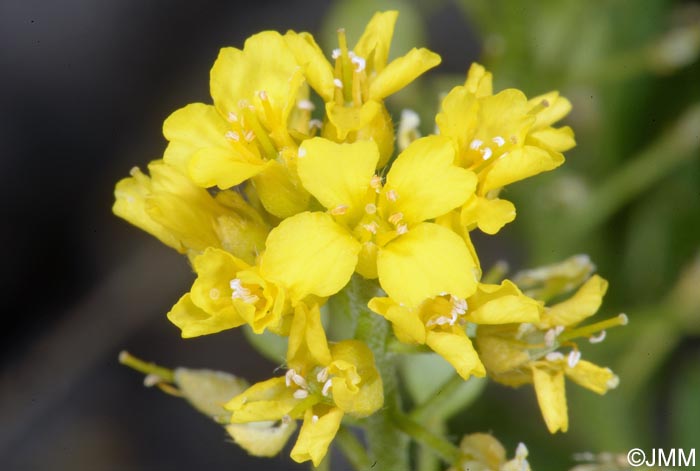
106 76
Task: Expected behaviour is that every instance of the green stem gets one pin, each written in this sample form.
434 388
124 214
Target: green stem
455 394
388 447
446 450
353 450
126 358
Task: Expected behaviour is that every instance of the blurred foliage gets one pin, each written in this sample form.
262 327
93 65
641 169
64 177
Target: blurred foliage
628 196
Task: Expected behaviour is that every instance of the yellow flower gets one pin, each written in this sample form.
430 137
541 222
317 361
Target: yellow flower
226 294
374 228
517 354
321 385
187 218
483 452
504 138
440 322
355 86
245 133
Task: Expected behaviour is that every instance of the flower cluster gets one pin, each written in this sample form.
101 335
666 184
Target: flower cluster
287 188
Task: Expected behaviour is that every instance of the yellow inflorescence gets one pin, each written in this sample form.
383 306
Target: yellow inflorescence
279 197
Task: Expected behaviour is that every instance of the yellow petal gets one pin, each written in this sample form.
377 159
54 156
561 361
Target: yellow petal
310 254
267 400
502 304
316 434
405 320
215 166
131 194
338 175
264 439
479 81
375 41
426 261
489 215
557 108
344 120
559 140
317 69
458 117
211 290
426 182
598 379
189 129
402 71
551 396
357 387
458 350
307 339
519 164
265 64
580 306
280 192
194 321
367 261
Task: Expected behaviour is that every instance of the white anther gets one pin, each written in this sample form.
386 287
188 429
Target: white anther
521 451
376 183
597 338
243 103
624 320
339 210
396 218
322 375
249 136
214 294
558 330
315 123
232 117
401 229
288 377
392 195
499 141
326 387
475 144
232 135
336 53
241 292
613 382
359 62
370 208
554 356
338 83
151 380
306 105
487 153
263 95
574 358
371 227
549 338
299 380
523 329
301 394
314 419
301 153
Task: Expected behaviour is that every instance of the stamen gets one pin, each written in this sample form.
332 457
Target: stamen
370 208
339 210
475 144
232 135
597 338
613 382
359 62
513 139
554 356
301 153
241 292
336 53
315 123
459 306
574 358
322 375
286 419
401 229
396 218
549 338
487 153
376 183
521 451
392 195
232 117
371 227
588 330
249 136
326 387
299 380
314 419
301 394
499 141
288 377
263 95
338 83
306 105
214 294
